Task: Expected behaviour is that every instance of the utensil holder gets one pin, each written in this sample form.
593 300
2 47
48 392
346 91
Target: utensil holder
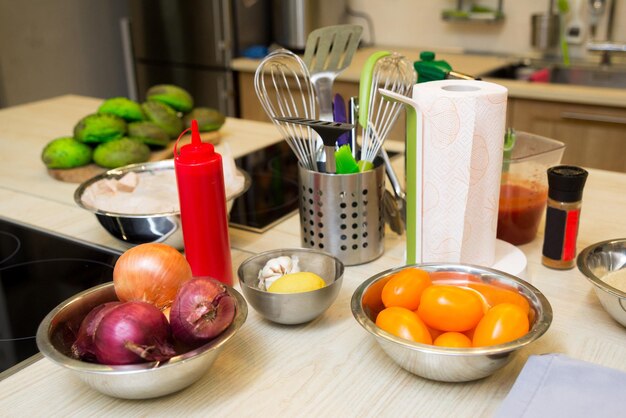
342 214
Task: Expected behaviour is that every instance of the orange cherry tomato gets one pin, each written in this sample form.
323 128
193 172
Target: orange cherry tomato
495 295
452 339
450 308
405 288
433 332
403 323
470 333
502 323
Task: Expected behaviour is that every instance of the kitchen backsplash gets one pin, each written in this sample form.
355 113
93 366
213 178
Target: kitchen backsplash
418 23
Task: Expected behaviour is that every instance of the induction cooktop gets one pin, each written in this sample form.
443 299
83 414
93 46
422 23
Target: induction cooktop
38 271
273 194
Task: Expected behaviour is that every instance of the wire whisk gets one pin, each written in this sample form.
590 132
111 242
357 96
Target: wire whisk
391 72
283 85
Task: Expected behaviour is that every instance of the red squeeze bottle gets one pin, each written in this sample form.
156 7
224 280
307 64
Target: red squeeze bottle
204 218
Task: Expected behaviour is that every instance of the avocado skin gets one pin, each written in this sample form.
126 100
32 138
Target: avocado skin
164 117
127 109
99 128
176 97
66 152
208 119
121 152
149 133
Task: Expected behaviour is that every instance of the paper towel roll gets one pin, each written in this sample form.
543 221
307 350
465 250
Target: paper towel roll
458 158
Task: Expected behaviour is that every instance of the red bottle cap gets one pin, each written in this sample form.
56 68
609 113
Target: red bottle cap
195 152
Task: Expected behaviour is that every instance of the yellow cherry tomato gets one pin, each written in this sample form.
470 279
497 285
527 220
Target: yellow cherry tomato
403 323
453 339
450 308
502 323
405 288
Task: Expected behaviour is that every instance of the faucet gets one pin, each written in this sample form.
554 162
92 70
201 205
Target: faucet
597 8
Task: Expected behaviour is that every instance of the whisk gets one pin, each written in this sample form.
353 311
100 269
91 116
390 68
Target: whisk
377 115
283 85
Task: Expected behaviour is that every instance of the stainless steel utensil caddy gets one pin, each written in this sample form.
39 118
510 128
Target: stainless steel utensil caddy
342 214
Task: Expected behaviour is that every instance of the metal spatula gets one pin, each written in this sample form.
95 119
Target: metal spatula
329 131
329 50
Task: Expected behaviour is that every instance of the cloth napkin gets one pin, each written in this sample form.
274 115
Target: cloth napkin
554 385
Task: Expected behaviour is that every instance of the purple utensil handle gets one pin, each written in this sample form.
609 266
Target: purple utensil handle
339 115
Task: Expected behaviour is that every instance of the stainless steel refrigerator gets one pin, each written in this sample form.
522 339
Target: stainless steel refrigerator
190 43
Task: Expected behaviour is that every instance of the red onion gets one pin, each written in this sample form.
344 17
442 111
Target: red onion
202 310
83 348
132 332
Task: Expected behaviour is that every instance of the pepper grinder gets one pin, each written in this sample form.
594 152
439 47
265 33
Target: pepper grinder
203 212
565 194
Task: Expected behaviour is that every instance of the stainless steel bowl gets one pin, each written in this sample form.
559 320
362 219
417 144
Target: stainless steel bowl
133 229
292 308
598 260
57 331
443 363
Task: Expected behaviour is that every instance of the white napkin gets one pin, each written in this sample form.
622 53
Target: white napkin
555 385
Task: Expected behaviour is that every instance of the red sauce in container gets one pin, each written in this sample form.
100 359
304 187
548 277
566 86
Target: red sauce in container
519 212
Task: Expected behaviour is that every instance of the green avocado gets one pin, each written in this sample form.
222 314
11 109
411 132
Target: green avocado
98 128
164 117
175 97
127 109
121 152
208 119
149 133
66 152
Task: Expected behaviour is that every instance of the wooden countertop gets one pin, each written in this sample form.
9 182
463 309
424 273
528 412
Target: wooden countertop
329 366
476 64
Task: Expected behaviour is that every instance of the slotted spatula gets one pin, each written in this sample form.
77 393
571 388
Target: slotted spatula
329 51
328 131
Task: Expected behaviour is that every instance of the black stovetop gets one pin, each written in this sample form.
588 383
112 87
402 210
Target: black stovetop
273 194
38 271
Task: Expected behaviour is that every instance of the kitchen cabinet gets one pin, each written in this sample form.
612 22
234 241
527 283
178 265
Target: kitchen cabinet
595 136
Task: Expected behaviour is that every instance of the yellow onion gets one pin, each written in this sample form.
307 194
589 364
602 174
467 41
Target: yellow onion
151 273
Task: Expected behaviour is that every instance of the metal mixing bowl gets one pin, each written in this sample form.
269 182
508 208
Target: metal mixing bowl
292 308
598 260
443 363
133 229
57 331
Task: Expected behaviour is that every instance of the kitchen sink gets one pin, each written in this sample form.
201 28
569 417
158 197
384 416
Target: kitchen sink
581 75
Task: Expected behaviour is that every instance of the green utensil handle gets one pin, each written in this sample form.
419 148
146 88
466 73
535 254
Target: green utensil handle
365 85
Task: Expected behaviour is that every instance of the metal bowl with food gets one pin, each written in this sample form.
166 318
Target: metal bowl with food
292 308
57 333
126 220
604 265
450 364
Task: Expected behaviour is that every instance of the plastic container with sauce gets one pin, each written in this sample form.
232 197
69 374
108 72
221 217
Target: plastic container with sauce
524 186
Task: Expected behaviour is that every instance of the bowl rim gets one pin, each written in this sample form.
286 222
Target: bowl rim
245 285
537 330
586 271
49 351
161 165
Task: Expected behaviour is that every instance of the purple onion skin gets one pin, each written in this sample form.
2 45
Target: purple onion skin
133 332
201 311
83 348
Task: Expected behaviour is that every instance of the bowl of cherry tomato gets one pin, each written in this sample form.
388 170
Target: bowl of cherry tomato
451 322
